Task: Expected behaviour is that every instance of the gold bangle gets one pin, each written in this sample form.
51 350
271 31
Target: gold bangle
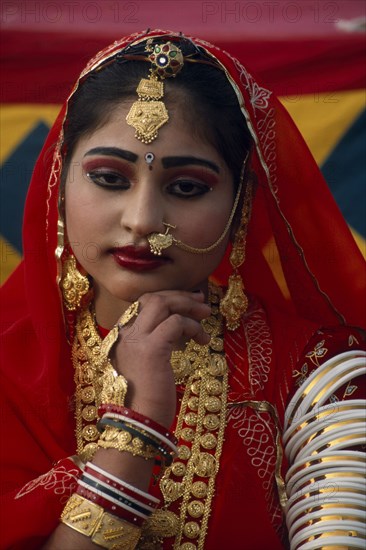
102 528
116 534
82 515
114 438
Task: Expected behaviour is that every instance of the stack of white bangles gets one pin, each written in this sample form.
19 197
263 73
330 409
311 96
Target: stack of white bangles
325 483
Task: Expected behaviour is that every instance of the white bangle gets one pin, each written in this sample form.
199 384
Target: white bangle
313 379
334 528
304 436
325 483
338 543
323 416
330 458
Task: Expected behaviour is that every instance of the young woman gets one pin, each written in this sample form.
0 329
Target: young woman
181 363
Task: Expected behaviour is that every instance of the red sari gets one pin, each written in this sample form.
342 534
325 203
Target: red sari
320 283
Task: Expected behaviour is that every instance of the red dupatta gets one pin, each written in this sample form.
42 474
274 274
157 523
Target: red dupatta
320 277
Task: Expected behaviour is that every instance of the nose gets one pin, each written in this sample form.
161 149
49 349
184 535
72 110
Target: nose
143 210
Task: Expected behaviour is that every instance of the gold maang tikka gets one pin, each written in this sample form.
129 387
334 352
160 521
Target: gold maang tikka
148 114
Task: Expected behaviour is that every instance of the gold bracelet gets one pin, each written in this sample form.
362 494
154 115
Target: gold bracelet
115 438
102 528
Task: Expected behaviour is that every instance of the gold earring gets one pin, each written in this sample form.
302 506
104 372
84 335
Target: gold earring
235 302
73 284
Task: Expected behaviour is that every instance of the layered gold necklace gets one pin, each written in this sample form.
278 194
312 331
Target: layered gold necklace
188 485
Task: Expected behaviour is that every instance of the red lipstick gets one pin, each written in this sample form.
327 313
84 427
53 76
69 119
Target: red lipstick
138 258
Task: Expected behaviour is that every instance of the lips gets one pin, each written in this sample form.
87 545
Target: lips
138 258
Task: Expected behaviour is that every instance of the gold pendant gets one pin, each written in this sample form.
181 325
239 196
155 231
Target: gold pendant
172 490
163 523
147 117
235 303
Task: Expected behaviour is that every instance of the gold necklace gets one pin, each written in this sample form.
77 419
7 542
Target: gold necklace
86 345
96 382
190 481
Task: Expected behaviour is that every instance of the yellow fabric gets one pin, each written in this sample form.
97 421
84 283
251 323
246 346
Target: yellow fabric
10 258
16 121
324 118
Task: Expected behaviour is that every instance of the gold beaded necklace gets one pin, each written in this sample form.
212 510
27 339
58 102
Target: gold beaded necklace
188 485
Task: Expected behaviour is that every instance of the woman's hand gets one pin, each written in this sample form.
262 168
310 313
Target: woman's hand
166 321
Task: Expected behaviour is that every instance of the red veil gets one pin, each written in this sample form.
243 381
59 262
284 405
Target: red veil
301 260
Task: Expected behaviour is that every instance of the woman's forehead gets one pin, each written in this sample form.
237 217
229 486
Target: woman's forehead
177 137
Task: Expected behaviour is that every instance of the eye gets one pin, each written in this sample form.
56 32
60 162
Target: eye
108 179
188 188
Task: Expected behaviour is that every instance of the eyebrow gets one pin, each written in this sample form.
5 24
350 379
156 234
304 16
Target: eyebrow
172 162
112 152
167 162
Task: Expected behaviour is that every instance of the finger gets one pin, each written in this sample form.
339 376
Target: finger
156 308
197 295
177 327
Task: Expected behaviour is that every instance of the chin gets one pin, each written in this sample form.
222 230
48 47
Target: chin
130 292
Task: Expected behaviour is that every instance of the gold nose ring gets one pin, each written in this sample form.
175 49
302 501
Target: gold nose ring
160 241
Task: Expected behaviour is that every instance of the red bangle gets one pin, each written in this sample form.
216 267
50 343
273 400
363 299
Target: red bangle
108 506
120 487
104 408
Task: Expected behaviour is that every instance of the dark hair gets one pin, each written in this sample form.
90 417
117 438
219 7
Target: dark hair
211 105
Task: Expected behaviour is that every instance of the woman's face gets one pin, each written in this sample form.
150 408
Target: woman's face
115 199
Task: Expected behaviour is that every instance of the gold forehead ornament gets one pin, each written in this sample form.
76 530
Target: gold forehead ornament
148 114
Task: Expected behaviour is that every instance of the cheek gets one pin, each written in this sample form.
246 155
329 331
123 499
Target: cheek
81 208
205 225
201 232
81 230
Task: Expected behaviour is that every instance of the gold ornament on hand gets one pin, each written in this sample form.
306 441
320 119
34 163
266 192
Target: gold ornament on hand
115 386
113 334
235 302
148 114
159 241
73 284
